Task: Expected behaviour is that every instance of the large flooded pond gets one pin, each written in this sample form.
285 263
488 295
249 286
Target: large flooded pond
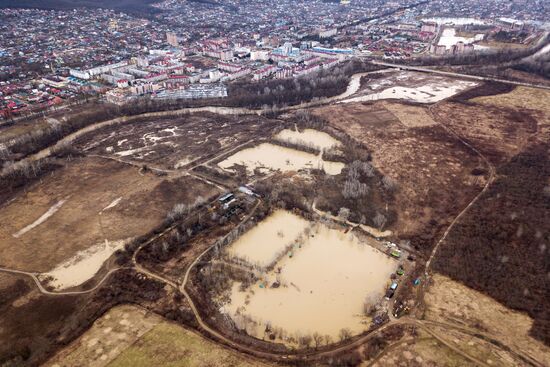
411 86
449 38
274 157
315 138
261 244
324 284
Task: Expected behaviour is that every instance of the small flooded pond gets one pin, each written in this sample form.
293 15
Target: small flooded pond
311 137
83 266
261 244
324 284
274 157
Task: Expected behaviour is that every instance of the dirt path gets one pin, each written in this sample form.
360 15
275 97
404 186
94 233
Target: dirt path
304 355
34 276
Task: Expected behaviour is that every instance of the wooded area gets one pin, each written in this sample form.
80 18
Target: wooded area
501 247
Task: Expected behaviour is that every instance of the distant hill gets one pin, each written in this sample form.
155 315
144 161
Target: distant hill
129 6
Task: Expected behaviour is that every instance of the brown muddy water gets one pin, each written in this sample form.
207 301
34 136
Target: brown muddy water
324 284
274 157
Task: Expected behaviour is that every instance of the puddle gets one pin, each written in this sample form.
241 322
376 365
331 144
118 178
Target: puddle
112 204
310 137
323 288
261 244
42 218
84 265
274 157
183 162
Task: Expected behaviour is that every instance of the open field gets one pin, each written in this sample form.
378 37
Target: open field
500 125
171 345
83 205
409 86
109 336
173 143
420 351
451 301
424 162
131 336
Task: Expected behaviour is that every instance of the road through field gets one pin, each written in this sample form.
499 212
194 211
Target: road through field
308 355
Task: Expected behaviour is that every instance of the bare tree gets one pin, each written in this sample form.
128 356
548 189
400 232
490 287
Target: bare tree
344 214
305 340
317 339
344 334
388 183
380 220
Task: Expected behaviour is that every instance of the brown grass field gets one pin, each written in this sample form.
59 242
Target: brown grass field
88 185
130 336
425 161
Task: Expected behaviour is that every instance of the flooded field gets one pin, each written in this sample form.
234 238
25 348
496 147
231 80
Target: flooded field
261 244
449 38
411 86
311 137
273 157
455 21
83 266
172 143
321 286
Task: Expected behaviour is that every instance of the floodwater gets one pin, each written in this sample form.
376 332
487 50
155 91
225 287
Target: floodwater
449 38
310 137
429 93
261 244
84 265
324 286
455 21
274 157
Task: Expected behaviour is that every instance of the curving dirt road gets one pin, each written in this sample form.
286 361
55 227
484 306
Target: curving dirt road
304 355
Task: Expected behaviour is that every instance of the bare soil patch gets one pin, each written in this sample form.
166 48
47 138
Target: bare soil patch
410 115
